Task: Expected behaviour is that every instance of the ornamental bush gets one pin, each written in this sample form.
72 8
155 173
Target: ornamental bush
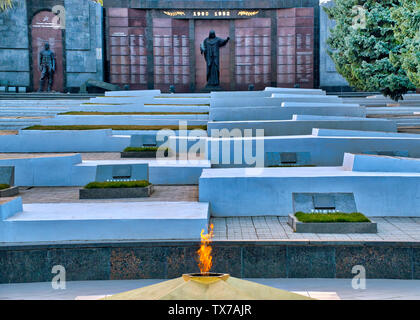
364 47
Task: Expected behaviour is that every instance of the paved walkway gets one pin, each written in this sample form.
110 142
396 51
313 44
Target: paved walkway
276 228
324 289
71 194
273 228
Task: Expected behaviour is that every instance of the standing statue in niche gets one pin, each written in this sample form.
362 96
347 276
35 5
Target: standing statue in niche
47 67
210 48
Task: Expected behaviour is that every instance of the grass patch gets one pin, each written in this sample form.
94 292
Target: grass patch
98 113
331 217
179 105
103 104
113 127
140 149
117 184
292 166
4 186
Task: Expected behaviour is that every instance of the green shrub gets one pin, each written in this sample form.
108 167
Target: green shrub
4 186
144 149
331 217
118 184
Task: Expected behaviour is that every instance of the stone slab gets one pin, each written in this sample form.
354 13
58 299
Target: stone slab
142 154
301 127
116 193
116 221
7 175
9 192
122 171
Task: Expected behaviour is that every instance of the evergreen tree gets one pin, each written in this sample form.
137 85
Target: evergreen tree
407 33
363 42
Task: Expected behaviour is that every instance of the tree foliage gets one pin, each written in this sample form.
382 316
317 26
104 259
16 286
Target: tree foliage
407 33
363 45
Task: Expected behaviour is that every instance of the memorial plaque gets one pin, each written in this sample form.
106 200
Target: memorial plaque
185 79
168 60
167 51
324 202
185 60
177 60
186 51
158 78
157 41
266 41
142 42
266 60
308 41
299 41
158 60
288 157
240 41
185 41
177 51
186 70
176 42
133 78
167 41
266 69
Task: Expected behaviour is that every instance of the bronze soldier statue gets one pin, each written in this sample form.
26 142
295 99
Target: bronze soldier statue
210 48
47 67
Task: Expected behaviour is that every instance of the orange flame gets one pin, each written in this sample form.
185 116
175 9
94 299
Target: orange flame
205 259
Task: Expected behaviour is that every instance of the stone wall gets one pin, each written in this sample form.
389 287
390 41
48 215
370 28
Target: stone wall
83 42
166 260
14 46
330 79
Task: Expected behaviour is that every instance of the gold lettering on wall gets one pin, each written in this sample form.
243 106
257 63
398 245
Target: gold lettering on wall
174 13
248 13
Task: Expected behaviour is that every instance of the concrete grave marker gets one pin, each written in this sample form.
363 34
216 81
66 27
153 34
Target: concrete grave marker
7 176
323 202
138 171
121 172
287 158
306 202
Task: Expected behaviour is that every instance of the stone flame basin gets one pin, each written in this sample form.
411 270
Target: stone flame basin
211 286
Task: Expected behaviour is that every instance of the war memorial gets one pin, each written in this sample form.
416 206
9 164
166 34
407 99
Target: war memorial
195 144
